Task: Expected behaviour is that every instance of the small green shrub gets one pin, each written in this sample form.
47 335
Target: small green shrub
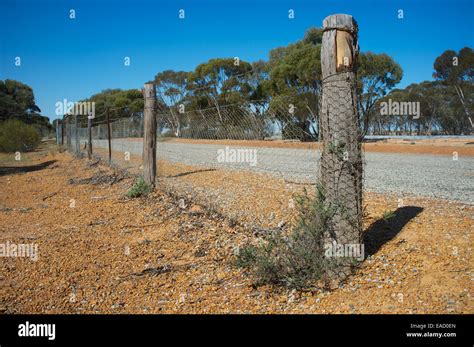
18 136
387 215
139 188
296 259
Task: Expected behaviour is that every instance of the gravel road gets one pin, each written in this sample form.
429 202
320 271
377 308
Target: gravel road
411 174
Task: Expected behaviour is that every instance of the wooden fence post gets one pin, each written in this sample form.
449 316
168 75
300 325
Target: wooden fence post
149 137
62 131
341 153
89 133
68 133
76 135
109 134
57 132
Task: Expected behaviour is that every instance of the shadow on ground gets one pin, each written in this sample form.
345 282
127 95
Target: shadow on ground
383 230
10 170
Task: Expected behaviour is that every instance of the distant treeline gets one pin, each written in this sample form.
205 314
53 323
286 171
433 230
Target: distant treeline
292 78
281 95
17 101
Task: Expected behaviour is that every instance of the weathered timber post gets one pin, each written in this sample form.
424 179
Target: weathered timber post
89 133
76 135
62 131
149 136
109 134
57 132
68 133
341 153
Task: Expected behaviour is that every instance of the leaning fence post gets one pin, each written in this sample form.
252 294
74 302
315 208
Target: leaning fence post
341 154
149 137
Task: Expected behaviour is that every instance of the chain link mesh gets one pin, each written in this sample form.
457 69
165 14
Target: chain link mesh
281 135
341 173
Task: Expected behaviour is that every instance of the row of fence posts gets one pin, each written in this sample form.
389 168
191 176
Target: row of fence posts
63 129
338 122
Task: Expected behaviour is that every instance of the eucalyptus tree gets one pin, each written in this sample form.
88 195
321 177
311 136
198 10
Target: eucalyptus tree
171 91
377 74
294 86
456 69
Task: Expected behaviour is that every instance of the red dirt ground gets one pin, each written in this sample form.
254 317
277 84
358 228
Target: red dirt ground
110 254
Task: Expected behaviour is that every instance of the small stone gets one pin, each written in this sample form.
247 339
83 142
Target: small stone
292 296
196 209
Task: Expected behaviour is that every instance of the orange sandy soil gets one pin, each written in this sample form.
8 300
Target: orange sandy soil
425 146
110 254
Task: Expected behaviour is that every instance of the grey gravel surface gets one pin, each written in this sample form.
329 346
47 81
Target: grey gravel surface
433 176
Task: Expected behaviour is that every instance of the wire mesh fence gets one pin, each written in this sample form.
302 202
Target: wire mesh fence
242 136
247 159
244 151
250 161
273 139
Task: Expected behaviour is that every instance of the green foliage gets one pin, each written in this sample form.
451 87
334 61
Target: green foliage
455 67
295 75
292 75
16 100
139 188
387 215
445 104
120 103
296 259
377 74
172 91
171 88
456 70
18 136
219 82
441 110
339 149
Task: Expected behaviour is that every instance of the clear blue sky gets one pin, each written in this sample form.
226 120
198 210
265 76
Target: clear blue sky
73 59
